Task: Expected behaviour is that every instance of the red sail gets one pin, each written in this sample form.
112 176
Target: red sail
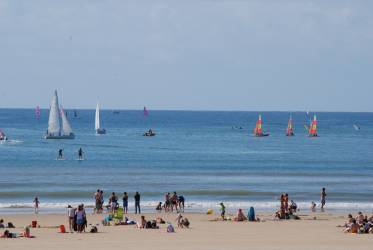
258 131
289 130
313 127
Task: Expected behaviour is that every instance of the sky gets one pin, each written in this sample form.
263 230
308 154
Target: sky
259 55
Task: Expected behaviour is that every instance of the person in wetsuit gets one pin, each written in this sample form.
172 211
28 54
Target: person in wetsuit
60 155
80 153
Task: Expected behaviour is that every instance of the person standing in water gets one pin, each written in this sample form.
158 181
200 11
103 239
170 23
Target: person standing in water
60 154
80 154
137 202
323 199
36 205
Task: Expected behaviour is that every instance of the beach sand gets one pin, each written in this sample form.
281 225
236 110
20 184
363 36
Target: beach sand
308 233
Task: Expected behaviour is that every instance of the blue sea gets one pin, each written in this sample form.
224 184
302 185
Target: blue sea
204 156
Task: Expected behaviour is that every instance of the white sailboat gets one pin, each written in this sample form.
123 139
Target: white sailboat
56 130
99 130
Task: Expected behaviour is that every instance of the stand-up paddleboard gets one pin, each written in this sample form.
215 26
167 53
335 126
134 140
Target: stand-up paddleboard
60 159
80 159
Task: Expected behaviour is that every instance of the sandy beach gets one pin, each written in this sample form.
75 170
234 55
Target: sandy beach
314 231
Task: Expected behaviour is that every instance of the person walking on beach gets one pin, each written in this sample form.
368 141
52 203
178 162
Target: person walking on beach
71 217
36 205
125 202
323 199
97 201
137 202
222 208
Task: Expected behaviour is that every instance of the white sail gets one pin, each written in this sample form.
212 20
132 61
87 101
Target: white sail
97 119
66 128
54 117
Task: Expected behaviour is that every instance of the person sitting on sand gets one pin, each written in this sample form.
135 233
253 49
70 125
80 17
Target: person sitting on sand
293 206
185 223
353 228
313 206
2 223
159 207
7 234
142 223
179 219
240 216
360 218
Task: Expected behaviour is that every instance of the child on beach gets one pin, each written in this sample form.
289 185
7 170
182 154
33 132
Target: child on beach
36 205
222 209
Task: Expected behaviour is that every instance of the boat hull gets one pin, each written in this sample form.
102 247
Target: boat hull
58 137
100 131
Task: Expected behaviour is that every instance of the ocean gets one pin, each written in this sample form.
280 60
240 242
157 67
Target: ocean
204 156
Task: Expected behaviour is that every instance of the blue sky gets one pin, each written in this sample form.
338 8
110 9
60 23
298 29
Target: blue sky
191 55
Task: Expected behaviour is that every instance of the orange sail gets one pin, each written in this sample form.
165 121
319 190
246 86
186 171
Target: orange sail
289 130
313 127
258 131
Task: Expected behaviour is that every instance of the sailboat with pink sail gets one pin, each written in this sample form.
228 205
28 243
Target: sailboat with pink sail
289 129
150 132
312 132
258 130
37 112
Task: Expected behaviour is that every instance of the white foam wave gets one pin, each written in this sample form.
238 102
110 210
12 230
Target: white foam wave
203 205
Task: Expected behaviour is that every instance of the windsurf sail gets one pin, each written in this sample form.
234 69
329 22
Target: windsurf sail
289 130
258 131
97 118
37 112
313 127
145 112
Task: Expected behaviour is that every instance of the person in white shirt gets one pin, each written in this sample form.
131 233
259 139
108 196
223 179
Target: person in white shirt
71 217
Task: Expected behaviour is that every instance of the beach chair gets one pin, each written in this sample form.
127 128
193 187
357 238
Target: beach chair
118 215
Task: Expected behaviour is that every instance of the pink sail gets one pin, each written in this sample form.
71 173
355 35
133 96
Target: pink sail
37 112
145 112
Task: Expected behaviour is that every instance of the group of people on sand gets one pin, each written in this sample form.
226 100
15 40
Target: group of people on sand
77 218
113 202
26 233
360 224
286 211
172 203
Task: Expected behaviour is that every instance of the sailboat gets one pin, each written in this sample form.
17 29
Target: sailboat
312 132
37 112
258 131
289 130
3 136
99 130
145 112
56 130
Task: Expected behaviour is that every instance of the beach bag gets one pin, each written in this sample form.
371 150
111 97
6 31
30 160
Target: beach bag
170 229
251 214
62 229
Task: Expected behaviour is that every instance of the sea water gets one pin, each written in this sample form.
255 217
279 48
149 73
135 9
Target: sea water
204 156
